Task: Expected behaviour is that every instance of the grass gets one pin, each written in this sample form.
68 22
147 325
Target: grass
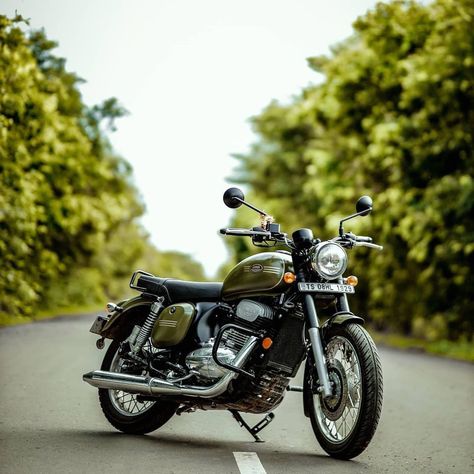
9 320
460 350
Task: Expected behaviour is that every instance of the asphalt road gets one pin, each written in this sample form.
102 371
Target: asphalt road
50 420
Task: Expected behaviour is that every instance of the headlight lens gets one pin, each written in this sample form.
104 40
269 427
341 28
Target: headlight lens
329 260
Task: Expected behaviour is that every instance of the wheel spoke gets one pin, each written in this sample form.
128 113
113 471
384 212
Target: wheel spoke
342 356
126 403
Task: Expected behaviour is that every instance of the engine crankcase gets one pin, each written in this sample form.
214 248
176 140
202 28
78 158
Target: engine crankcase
201 361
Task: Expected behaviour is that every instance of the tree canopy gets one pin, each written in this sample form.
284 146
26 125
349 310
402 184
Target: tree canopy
68 207
392 118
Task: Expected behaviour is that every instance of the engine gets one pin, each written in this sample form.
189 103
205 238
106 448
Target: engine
251 315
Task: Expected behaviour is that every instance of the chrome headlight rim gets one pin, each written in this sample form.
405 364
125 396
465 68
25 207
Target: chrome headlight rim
317 267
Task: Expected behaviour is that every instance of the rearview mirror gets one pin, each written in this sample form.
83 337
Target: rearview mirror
233 198
364 205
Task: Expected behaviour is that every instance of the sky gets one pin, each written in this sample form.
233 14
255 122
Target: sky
191 74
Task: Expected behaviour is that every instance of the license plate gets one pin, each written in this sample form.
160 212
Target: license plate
325 288
98 324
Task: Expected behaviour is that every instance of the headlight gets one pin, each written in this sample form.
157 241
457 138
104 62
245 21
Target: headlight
329 260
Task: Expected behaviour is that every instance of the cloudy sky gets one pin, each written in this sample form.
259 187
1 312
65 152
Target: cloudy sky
191 73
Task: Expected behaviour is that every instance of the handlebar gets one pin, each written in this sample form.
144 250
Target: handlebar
351 240
245 232
348 240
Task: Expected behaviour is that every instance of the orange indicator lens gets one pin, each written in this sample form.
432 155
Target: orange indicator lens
267 343
289 278
352 280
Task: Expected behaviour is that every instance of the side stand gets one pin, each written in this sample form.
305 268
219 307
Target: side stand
257 428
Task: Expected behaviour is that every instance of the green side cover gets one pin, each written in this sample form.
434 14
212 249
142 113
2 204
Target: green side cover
173 324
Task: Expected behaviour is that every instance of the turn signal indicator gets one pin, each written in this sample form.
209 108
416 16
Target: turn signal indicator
267 343
289 277
352 280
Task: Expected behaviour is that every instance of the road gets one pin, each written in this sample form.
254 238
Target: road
50 420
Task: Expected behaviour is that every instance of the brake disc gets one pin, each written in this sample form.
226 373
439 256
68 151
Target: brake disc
333 406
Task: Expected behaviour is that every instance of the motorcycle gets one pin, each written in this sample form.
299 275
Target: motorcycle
181 346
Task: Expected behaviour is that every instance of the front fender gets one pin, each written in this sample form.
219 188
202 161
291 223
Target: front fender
342 317
132 311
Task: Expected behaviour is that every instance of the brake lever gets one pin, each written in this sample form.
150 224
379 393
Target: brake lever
367 244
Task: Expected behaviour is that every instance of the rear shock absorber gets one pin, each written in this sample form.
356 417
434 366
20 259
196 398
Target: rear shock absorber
147 327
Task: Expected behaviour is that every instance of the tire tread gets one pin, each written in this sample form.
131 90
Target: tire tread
372 395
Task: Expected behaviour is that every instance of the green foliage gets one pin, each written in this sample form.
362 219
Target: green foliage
171 264
68 207
393 118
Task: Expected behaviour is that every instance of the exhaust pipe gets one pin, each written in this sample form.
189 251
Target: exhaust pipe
146 385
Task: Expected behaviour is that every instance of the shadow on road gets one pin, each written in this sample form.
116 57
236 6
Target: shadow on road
89 441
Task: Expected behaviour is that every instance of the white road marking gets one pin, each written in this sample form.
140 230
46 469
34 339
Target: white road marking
248 463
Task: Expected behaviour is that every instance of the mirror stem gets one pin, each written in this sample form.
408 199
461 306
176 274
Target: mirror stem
262 213
341 229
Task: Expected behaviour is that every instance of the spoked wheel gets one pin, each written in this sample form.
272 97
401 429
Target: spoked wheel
345 423
126 411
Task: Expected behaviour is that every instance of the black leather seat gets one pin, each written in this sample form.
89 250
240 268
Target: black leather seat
180 291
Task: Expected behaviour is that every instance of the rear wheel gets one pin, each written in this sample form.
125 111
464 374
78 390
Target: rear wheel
125 411
345 423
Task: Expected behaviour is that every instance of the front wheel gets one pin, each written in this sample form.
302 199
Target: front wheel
345 423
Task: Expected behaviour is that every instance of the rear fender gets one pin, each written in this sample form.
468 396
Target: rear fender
131 312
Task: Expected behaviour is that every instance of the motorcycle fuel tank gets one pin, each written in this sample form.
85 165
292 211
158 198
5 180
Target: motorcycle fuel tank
260 274
173 324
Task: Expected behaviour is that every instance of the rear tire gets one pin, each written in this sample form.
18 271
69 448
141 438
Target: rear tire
132 417
345 424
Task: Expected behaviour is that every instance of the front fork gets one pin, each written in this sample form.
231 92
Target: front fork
316 342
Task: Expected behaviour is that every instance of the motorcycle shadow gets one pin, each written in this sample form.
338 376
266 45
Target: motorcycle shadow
68 449
287 458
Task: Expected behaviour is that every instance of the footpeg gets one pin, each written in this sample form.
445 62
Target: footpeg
267 419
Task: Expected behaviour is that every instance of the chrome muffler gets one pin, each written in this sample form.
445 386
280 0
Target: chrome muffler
146 385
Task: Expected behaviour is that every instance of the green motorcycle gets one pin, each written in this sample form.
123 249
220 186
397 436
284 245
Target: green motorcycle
180 346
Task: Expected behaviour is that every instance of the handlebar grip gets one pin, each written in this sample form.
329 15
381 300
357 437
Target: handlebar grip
244 232
363 238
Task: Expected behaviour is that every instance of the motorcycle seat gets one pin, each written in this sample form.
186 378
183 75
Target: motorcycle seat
179 290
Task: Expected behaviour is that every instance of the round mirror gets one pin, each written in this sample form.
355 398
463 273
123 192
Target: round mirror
364 205
230 198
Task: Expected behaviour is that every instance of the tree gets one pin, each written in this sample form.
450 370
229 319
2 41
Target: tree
68 206
394 117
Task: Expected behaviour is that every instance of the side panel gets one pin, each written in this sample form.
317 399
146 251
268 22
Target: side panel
260 274
173 324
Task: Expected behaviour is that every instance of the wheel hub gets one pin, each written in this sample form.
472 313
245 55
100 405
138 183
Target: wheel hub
334 405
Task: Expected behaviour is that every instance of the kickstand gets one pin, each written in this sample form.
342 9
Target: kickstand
267 419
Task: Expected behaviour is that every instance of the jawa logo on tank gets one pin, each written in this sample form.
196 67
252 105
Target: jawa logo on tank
258 268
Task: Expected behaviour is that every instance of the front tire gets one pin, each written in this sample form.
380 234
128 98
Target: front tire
122 409
345 423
